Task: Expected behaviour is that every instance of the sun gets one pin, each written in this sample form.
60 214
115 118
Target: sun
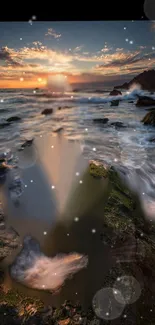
58 83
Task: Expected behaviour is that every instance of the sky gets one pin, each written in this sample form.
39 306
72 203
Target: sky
31 53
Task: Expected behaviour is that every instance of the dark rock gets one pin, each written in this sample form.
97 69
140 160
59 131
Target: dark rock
27 143
101 120
13 119
145 79
131 102
115 92
9 240
58 130
47 111
64 107
145 101
149 118
118 124
115 103
152 140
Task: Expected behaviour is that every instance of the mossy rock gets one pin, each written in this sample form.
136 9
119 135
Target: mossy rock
97 170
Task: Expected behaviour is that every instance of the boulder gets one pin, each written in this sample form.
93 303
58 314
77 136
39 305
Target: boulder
101 120
118 124
145 101
13 119
47 111
59 130
115 92
149 118
131 101
115 103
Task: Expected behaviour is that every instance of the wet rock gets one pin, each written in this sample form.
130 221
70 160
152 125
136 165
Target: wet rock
118 124
47 111
115 103
131 102
9 240
64 107
149 118
59 130
27 143
115 92
13 119
101 120
145 101
152 140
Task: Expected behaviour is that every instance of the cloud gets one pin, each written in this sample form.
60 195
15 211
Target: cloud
52 32
78 48
106 49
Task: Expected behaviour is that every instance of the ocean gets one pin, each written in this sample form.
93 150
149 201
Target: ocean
125 147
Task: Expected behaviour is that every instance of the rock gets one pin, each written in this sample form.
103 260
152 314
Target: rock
27 143
13 119
131 102
118 124
152 140
115 103
47 111
64 107
101 120
145 79
115 92
59 130
9 240
145 101
149 118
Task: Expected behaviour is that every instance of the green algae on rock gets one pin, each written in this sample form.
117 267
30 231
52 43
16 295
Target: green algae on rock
97 169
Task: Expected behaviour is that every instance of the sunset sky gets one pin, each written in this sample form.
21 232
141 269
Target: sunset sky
108 52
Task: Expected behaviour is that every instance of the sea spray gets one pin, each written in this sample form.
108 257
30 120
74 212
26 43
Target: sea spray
35 270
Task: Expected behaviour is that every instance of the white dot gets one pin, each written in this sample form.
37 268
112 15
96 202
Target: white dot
143 193
125 316
151 310
115 292
77 173
2 100
55 274
21 79
71 96
76 293
34 17
80 181
39 79
115 159
43 286
131 42
142 234
124 27
118 279
21 39
4 314
76 219
89 98
45 233
153 48
25 185
127 40
141 317
34 91
134 130
107 314
94 149
52 147
67 234
52 187
40 136
86 129
31 180
93 231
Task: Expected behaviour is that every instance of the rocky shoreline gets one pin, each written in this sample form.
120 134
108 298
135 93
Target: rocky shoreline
131 239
